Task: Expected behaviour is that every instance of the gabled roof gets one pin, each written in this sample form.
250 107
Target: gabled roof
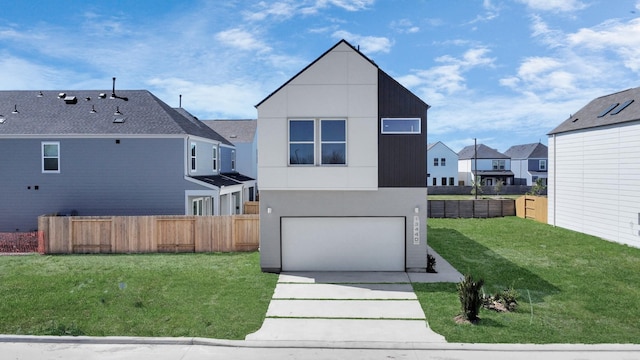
484 152
528 151
356 50
235 131
430 146
94 112
623 106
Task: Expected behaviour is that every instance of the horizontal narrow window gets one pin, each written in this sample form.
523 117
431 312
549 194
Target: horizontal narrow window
401 126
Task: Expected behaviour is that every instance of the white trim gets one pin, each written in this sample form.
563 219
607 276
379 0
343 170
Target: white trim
382 121
42 157
215 163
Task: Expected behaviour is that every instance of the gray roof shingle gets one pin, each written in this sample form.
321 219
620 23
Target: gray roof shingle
235 131
528 151
93 113
484 152
588 116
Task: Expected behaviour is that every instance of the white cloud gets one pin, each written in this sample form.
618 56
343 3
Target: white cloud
237 99
404 26
242 40
613 36
549 37
286 9
368 44
555 5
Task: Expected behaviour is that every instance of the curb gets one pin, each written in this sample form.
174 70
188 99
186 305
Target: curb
121 340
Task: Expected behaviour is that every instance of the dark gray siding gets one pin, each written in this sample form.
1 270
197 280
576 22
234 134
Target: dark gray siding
402 159
98 177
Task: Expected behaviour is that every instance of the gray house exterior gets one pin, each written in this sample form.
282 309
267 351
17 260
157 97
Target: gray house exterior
492 165
101 153
529 162
342 169
243 135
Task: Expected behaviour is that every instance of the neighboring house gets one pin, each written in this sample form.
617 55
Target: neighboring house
100 153
528 163
442 165
594 169
243 134
342 169
493 166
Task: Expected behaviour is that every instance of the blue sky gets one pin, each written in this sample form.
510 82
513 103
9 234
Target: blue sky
504 72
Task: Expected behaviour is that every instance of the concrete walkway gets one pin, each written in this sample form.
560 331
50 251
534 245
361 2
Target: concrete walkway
351 307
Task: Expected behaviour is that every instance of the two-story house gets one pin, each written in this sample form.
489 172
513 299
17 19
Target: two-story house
243 135
492 165
528 163
594 169
442 165
342 169
106 153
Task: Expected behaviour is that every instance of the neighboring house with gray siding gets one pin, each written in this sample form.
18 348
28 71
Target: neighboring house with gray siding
594 169
102 153
243 135
342 169
529 163
492 165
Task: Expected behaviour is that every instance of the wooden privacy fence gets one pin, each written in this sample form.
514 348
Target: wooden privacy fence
149 234
470 208
252 207
532 207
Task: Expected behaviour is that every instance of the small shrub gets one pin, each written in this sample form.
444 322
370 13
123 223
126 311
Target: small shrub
470 299
431 264
505 301
57 329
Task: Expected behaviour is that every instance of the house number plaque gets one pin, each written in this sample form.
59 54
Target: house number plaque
416 230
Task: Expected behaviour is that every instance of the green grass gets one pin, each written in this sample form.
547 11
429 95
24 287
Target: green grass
573 288
192 295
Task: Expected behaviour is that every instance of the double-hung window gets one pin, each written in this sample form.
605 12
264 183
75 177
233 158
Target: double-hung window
435 161
542 165
214 157
50 157
498 164
443 161
233 160
317 142
193 157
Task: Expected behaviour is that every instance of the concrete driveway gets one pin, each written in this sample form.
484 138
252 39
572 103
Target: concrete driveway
351 307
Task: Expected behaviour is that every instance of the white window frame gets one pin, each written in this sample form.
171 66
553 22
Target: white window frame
233 160
214 158
498 164
436 161
193 156
541 166
42 146
412 131
443 161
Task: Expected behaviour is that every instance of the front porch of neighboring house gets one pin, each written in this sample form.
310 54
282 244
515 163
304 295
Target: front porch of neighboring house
226 194
492 177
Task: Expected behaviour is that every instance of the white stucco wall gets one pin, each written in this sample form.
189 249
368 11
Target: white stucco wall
320 92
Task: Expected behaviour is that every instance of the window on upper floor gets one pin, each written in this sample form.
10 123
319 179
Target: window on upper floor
214 157
498 164
193 156
317 142
435 161
233 160
401 126
443 162
50 157
542 165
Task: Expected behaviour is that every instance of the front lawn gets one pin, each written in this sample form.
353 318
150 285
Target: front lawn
573 288
221 296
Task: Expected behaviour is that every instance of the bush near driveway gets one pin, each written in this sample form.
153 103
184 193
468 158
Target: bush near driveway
573 288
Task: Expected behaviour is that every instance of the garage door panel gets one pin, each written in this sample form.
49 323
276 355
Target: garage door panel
343 244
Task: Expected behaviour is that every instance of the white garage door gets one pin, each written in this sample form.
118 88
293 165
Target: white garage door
343 244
